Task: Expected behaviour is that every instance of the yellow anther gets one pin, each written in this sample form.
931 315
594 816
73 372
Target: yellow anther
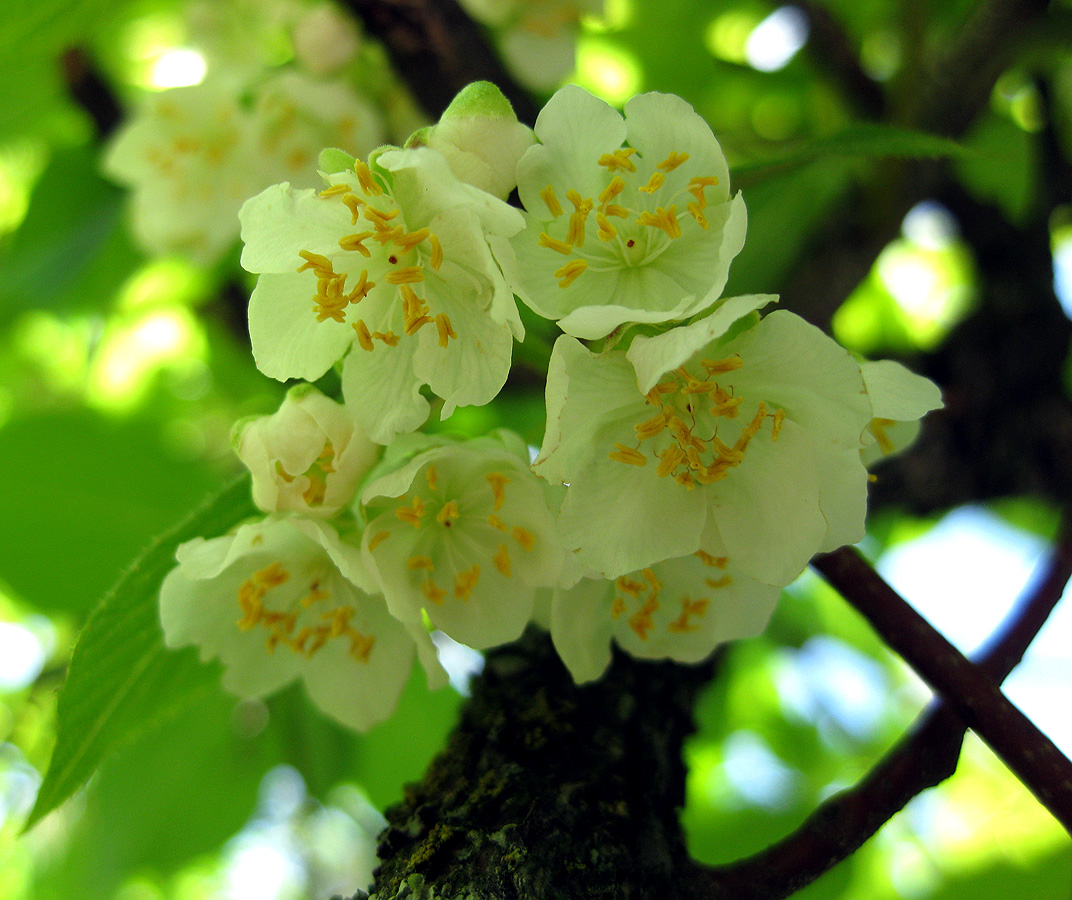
725 407
694 208
316 595
685 479
628 455
389 338
495 522
613 209
629 586
379 537
719 366
776 427
443 326
649 576
502 560
619 160
339 618
411 240
549 198
554 244
641 622
752 428
405 275
577 222
498 483
384 235
412 514
413 310
689 608
432 477
364 177
663 219
729 456
353 242
433 592
524 537
671 162
719 582
696 188
708 559
322 632
670 458
653 426
657 180
878 429
420 562
271 576
437 252
617 608
361 645
570 272
354 203
612 190
693 386
364 338
379 218
465 582
607 232
317 262
335 190
314 494
448 513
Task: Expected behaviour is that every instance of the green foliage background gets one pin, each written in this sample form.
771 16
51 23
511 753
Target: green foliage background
106 443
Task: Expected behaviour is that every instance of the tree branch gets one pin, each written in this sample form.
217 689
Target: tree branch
968 690
925 757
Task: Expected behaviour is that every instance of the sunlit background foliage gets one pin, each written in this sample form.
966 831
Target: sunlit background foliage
121 374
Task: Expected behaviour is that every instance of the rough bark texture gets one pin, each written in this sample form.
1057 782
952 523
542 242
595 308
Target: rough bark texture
547 789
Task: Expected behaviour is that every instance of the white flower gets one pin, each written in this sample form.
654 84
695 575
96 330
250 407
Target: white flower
285 598
325 40
899 399
396 261
308 457
464 533
726 432
481 138
617 233
680 609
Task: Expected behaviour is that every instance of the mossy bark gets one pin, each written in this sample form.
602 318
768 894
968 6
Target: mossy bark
549 789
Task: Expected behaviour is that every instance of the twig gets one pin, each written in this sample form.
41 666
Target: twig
968 690
90 91
925 757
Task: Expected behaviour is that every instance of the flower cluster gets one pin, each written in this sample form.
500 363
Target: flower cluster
696 454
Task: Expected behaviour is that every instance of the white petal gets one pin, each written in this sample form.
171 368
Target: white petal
280 222
898 394
581 628
383 390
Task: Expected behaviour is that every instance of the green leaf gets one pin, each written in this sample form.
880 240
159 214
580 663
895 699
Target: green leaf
868 141
122 678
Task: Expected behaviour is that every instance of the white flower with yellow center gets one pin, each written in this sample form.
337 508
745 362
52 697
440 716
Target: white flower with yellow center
393 261
308 457
285 598
627 219
899 399
463 532
732 426
680 609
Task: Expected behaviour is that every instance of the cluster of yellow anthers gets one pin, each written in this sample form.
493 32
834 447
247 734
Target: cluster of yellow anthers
646 593
688 458
399 268
317 474
283 625
417 508
665 218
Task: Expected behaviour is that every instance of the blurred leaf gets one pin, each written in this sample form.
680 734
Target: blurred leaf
121 678
1004 167
99 488
72 248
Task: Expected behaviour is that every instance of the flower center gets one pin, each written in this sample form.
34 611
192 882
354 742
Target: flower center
629 231
304 624
398 260
317 474
683 437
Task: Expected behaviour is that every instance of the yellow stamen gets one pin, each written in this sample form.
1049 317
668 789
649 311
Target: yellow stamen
448 513
443 326
354 203
718 562
364 177
554 244
502 560
420 562
776 427
495 522
629 586
524 537
362 288
406 275
570 272
613 209
664 219
411 240
549 198
379 538
612 190
498 483
652 426
878 429
379 218
437 252
364 338
617 608
390 338
752 428
334 190
353 242
719 366
465 582
670 457
361 645
607 232
619 160
432 477
654 183
671 162
721 581
688 608
433 592
696 188
412 514
701 219
628 455
315 261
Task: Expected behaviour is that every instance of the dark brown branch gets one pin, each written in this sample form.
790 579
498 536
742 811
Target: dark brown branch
968 690
438 50
925 757
90 91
